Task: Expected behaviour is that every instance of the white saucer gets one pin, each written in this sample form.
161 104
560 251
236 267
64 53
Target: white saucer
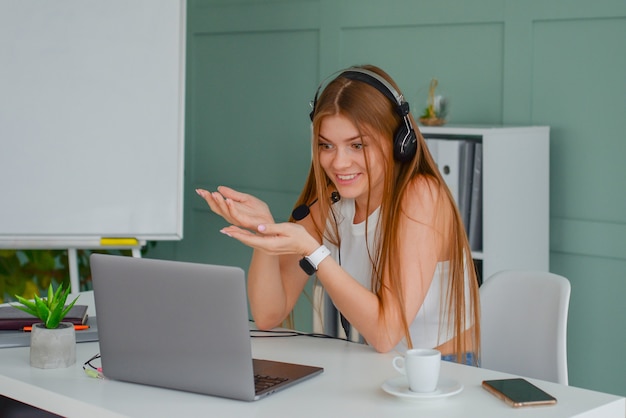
399 386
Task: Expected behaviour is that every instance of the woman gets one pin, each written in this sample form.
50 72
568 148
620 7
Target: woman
400 268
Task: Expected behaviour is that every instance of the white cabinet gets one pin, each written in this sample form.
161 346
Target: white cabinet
515 194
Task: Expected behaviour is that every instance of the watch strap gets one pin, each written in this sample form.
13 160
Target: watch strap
310 262
317 256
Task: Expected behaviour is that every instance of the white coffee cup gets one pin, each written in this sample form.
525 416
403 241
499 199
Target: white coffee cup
421 367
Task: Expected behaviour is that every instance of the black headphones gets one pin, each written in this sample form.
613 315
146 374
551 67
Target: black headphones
404 140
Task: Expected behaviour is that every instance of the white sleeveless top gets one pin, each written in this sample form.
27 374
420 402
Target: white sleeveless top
354 259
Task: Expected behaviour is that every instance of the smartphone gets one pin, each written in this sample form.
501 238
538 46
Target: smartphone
518 392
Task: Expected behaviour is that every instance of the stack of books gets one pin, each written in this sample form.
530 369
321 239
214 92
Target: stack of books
14 319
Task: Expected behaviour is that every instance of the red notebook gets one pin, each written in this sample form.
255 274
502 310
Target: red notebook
13 319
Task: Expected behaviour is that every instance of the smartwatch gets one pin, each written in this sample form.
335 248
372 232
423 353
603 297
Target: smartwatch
310 263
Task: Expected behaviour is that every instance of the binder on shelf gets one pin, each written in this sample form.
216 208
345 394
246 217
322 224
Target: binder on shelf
455 160
476 207
466 168
447 155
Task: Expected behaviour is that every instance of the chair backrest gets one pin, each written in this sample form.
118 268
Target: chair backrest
524 324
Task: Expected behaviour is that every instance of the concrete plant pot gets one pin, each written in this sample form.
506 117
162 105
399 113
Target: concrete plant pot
53 348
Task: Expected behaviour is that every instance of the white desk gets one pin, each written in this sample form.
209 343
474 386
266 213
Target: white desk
350 386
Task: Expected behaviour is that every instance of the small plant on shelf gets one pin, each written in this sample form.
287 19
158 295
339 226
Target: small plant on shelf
50 310
437 110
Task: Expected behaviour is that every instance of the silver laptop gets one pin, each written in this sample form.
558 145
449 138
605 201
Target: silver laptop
182 326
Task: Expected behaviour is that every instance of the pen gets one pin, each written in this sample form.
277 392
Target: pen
76 327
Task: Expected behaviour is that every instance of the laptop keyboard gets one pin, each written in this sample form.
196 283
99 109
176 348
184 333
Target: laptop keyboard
262 382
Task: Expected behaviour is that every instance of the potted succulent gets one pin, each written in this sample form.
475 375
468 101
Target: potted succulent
52 342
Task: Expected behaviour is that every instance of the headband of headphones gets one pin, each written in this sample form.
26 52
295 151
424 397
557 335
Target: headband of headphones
372 79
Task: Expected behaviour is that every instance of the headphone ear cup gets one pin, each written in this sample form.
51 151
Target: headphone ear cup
404 143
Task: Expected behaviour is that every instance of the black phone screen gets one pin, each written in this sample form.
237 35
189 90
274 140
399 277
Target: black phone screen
518 392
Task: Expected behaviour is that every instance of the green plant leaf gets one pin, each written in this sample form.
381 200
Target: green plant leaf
27 303
51 295
67 309
58 309
60 298
28 310
42 309
54 319
53 298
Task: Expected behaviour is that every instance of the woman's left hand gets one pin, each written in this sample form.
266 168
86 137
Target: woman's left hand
237 208
276 239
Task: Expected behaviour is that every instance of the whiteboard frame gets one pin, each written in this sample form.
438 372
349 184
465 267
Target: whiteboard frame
32 240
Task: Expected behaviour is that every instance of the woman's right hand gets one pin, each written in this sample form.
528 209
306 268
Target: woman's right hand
239 209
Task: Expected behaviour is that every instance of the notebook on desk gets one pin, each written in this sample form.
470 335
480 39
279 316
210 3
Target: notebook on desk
18 338
182 326
12 318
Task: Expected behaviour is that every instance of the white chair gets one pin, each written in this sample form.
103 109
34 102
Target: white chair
524 324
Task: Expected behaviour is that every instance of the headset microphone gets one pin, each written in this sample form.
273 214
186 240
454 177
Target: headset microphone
303 211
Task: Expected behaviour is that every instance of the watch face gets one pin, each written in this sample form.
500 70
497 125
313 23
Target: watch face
307 266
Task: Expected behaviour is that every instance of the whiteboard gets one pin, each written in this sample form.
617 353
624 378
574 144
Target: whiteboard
91 121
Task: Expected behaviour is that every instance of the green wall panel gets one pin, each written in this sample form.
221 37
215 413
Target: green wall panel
578 88
253 66
596 337
250 103
585 105
414 55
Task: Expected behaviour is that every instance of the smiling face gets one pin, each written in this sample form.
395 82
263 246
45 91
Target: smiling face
354 163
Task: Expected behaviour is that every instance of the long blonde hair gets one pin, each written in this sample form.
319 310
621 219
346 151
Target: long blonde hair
371 112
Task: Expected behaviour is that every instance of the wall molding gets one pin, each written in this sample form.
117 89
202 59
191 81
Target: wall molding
588 238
